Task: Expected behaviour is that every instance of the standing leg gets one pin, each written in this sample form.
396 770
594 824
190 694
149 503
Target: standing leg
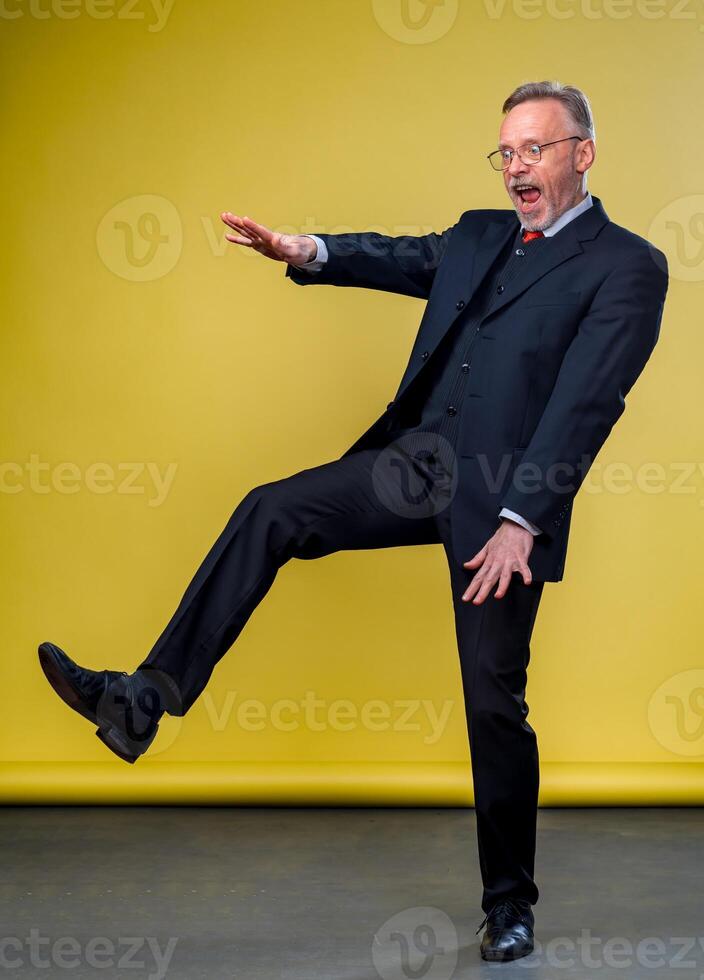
327 508
494 646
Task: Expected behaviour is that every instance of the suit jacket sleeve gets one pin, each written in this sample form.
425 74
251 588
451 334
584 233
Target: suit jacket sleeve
613 342
402 264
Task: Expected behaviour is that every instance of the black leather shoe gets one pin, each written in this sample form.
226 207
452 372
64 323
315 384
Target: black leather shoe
509 930
125 707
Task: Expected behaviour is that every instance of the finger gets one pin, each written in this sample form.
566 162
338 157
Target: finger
240 229
260 231
489 580
475 585
478 558
525 572
233 220
238 240
246 232
243 231
504 582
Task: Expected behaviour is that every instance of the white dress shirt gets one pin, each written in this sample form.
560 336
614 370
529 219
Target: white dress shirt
321 257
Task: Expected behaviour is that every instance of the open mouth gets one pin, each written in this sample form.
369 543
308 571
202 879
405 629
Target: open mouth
529 196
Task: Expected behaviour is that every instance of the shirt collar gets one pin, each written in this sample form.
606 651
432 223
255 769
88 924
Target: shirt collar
567 216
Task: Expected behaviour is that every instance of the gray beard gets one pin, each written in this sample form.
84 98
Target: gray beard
531 223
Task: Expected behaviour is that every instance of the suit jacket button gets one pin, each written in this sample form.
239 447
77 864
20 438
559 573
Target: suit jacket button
460 304
451 410
425 355
465 367
499 289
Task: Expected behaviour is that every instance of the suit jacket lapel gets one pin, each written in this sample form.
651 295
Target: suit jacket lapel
551 253
493 239
472 260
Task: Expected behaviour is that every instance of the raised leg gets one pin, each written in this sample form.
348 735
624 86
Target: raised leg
340 505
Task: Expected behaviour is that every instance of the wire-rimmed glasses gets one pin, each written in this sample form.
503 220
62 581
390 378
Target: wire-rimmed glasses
528 153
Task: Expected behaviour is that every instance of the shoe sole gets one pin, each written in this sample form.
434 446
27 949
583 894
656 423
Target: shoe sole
111 738
503 958
68 694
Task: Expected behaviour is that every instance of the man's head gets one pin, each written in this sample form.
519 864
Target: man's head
538 113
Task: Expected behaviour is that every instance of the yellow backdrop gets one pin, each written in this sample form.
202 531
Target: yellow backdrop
152 374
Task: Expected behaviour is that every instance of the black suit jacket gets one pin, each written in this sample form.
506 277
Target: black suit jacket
551 364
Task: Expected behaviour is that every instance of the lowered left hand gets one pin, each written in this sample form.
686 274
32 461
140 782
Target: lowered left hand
507 551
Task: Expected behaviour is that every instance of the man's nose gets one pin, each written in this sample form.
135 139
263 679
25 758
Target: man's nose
516 166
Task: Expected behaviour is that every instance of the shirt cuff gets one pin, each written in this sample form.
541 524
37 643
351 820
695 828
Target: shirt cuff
316 264
524 522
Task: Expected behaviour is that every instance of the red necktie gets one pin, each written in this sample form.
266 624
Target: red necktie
529 235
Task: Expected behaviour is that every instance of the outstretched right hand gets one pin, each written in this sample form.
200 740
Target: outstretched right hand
294 249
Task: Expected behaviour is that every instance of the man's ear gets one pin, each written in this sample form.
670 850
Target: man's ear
586 156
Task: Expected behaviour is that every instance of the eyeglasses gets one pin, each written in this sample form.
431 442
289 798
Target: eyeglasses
528 153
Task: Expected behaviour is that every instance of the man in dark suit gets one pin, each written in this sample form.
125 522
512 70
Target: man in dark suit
538 321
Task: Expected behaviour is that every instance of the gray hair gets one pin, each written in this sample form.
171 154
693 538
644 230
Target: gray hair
574 100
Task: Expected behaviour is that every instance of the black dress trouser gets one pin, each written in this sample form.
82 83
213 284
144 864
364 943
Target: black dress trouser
338 506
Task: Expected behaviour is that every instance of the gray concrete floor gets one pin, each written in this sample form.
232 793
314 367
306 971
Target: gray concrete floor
359 894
